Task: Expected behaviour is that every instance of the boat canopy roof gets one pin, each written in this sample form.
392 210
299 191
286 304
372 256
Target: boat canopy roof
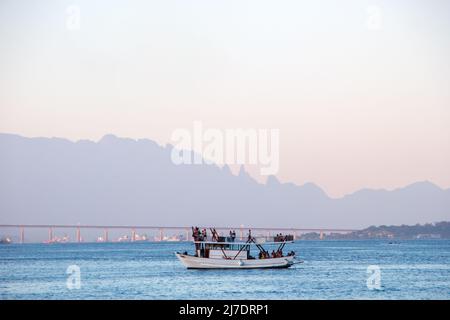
244 243
216 239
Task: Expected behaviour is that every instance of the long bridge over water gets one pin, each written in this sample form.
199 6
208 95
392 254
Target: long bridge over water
161 230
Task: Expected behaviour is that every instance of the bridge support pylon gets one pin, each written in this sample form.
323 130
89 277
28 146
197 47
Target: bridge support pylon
78 235
22 235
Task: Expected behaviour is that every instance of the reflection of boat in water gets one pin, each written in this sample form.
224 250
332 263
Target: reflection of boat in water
226 253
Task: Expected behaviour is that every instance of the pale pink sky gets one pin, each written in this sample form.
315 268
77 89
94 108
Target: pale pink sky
356 107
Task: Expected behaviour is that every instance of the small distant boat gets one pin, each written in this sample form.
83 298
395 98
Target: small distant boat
226 253
5 240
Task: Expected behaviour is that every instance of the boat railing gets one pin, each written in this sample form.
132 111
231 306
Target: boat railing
257 239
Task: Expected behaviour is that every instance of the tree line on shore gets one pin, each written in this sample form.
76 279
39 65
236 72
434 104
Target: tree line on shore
438 230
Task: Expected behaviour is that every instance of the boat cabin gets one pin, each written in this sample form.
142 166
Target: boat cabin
216 250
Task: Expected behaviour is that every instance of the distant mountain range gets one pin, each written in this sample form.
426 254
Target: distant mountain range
125 181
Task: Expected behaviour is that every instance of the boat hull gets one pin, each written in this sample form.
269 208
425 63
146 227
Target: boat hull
192 262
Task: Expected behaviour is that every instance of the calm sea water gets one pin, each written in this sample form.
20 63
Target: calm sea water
331 270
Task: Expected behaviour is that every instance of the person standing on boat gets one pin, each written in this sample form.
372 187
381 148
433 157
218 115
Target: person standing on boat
249 234
204 234
195 233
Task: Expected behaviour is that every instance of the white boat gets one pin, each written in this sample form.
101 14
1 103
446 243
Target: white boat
226 253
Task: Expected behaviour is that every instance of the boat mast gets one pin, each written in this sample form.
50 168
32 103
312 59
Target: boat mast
216 237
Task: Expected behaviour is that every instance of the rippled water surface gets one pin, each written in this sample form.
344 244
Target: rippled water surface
331 270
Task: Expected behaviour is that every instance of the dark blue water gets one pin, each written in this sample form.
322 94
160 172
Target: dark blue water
331 270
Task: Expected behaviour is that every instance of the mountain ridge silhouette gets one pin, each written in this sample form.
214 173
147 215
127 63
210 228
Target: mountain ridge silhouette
126 181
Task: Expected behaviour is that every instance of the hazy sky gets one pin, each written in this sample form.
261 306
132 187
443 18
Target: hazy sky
360 90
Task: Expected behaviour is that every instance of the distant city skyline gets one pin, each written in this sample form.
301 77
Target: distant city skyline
358 89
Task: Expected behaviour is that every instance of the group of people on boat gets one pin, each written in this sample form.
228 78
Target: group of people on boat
202 235
279 237
199 235
275 254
